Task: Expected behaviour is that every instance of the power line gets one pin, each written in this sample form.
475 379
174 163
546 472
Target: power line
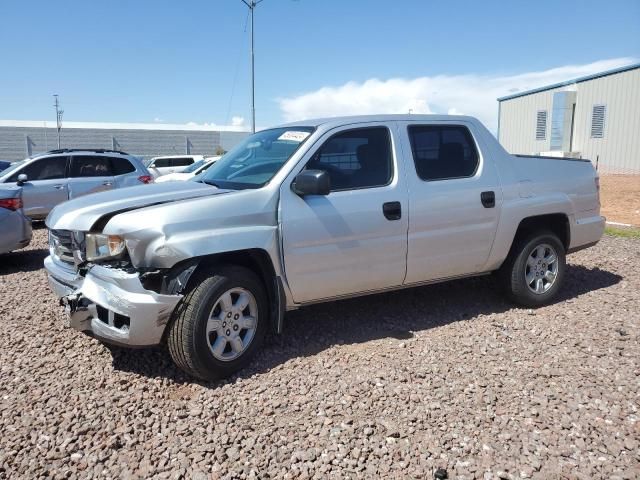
235 73
252 4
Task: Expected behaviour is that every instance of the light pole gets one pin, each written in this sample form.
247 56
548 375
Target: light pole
252 6
58 117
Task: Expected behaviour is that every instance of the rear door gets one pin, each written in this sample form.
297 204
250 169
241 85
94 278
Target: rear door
46 185
89 174
354 239
455 200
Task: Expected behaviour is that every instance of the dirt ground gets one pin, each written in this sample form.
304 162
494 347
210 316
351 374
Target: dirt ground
388 386
620 198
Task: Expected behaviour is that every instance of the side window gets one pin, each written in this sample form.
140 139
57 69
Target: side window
358 158
443 151
161 162
181 162
90 166
49 168
121 166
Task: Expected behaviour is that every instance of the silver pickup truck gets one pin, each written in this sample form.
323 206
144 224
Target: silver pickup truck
312 212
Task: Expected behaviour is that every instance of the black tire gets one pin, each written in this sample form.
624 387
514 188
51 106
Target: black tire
187 338
512 274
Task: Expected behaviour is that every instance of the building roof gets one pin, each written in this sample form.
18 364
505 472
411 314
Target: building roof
207 127
571 82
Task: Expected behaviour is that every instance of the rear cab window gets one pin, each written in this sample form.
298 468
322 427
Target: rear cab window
443 152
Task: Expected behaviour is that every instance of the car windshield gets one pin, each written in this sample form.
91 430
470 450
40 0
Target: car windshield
193 167
14 166
255 160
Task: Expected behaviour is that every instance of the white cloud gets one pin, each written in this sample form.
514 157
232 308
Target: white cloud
469 94
157 120
237 121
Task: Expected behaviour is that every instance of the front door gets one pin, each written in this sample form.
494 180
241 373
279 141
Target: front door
46 185
354 239
455 201
90 174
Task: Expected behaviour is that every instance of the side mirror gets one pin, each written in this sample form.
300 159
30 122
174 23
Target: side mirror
22 179
312 182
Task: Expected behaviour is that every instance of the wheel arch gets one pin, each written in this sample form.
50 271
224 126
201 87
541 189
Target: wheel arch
183 276
557 223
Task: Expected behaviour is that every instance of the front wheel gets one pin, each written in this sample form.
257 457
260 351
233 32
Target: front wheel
534 271
219 324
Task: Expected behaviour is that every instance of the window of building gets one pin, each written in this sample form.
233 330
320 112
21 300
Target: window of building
49 168
443 151
359 158
597 121
90 166
541 125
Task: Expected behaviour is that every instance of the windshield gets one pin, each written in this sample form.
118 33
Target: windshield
14 166
255 160
193 167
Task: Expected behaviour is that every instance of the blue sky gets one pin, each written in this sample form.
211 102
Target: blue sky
176 61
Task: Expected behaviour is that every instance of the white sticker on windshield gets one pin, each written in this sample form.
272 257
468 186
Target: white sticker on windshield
293 136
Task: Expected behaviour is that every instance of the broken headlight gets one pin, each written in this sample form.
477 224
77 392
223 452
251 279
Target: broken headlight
100 246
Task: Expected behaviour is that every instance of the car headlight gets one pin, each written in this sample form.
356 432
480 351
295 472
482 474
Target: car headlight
100 246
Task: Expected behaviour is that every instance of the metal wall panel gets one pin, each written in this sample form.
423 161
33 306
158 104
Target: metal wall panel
15 141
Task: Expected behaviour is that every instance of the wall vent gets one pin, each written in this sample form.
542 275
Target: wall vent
541 125
597 121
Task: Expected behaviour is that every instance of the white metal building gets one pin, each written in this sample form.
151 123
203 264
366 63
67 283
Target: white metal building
595 117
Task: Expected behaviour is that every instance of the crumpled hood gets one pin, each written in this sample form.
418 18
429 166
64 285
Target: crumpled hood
83 212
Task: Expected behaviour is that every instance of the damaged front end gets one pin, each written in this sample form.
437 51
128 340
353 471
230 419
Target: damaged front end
113 301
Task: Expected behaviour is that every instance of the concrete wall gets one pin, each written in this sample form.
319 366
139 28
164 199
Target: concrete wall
18 142
617 152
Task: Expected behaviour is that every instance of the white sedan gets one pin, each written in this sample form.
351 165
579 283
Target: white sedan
189 172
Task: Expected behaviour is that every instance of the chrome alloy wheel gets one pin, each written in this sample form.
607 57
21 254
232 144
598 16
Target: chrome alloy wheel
542 268
232 324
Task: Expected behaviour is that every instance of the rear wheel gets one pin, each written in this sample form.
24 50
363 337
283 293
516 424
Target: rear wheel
534 271
219 324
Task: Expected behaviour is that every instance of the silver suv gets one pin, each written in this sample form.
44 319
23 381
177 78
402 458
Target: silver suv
51 178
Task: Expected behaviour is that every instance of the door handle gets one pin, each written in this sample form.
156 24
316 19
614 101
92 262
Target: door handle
108 184
58 187
392 210
488 199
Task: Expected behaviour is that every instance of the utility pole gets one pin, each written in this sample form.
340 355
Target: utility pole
58 117
252 6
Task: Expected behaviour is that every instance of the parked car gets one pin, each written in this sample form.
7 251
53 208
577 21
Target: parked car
159 166
59 175
4 165
312 212
190 172
15 227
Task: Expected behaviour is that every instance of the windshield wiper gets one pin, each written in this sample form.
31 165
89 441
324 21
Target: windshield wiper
209 182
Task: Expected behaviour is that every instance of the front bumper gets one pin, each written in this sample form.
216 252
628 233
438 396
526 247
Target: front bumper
111 305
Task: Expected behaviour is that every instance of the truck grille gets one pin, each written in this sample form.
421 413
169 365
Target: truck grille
61 245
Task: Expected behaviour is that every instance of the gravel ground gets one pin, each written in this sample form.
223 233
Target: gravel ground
394 386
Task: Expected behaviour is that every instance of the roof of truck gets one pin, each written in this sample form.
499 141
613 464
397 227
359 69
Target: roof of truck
408 117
